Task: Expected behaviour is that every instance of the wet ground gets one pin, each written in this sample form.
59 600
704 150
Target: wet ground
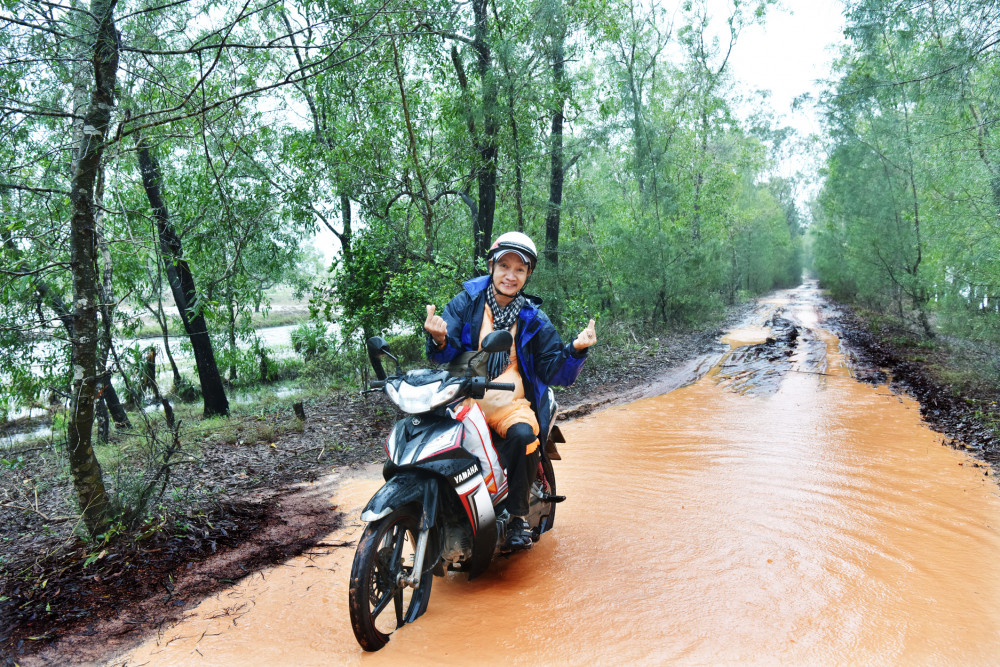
774 511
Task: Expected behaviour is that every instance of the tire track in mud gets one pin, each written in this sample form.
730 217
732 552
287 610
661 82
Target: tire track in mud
759 368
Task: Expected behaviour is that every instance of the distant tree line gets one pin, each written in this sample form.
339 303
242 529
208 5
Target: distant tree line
908 221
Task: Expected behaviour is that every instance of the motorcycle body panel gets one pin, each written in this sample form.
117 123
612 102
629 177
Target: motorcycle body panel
423 437
423 463
478 441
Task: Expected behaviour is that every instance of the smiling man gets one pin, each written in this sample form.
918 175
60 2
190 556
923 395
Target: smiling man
537 359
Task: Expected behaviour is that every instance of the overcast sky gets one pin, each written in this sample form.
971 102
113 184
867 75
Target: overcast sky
790 52
788 55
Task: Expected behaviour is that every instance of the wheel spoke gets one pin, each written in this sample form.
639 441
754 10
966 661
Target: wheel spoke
384 559
397 600
382 603
397 549
387 575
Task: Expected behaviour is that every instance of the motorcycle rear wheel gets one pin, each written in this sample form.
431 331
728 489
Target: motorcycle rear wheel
550 488
379 604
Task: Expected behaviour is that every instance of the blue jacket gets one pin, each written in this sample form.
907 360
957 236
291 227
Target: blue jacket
542 358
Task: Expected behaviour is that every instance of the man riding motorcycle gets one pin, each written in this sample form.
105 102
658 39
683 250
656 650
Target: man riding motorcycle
538 358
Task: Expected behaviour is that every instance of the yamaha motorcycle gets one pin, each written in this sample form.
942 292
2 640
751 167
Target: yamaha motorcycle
437 510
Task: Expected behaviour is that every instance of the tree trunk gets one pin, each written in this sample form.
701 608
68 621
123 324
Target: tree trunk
518 172
427 210
88 478
488 152
232 345
183 288
345 220
161 320
109 402
699 178
325 136
552 217
231 330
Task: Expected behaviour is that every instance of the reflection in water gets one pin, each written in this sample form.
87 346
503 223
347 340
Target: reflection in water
820 523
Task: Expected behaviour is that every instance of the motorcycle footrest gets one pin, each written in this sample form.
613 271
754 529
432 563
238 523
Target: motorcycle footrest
548 498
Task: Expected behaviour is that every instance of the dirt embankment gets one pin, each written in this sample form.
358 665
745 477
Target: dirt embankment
74 606
968 415
238 506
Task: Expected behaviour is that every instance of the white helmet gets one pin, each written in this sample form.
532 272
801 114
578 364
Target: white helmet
514 242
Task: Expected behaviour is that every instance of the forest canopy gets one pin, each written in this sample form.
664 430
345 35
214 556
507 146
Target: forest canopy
182 155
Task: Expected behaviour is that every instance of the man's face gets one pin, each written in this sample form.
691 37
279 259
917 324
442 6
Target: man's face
509 274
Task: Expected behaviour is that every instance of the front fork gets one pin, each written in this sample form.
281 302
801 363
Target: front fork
427 517
413 580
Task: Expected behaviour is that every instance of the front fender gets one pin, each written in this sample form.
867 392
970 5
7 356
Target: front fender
409 486
402 489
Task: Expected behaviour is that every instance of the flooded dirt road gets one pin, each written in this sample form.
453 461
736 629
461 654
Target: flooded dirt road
776 511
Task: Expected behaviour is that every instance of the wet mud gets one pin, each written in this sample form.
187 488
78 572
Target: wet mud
775 510
241 506
963 416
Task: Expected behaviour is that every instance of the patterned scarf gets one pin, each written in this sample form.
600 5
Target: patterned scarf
503 318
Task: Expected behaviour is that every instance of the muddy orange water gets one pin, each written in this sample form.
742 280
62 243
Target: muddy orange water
800 518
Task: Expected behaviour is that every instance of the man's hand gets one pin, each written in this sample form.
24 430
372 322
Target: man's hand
586 338
436 326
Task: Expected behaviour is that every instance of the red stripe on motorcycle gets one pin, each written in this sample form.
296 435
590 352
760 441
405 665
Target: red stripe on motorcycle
470 510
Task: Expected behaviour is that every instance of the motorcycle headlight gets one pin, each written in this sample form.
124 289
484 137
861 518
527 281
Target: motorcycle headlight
422 398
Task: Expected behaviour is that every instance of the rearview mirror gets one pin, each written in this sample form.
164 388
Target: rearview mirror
377 345
376 348
498 341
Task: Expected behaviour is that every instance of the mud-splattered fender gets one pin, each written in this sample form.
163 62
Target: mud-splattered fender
425 486
401 490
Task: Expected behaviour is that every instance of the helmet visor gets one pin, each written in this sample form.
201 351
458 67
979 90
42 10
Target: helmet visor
503 251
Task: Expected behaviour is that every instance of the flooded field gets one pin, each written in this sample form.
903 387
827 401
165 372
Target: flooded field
775 511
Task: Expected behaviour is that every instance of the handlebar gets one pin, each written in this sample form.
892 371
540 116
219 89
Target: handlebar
502 386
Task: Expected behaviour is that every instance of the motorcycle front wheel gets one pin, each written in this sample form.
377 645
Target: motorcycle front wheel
379 602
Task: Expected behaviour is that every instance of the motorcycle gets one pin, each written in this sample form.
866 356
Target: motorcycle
437 510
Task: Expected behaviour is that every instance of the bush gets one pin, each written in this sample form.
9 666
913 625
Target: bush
409 349
279 370
187 391
344 366
311 339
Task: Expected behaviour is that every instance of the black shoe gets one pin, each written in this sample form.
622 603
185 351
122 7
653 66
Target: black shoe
518 537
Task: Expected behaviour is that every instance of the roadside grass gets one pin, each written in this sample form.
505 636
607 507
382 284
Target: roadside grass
968 369
622 343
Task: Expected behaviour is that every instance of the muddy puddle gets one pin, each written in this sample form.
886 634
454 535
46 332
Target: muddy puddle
776 511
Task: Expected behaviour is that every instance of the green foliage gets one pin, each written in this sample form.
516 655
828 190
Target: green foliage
379 285
12 464
252 365
381 123
906 218
409 348
311 339
186 391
